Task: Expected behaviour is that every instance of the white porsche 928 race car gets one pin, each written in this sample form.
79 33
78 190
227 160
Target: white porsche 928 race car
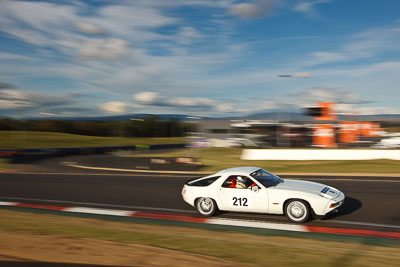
252 189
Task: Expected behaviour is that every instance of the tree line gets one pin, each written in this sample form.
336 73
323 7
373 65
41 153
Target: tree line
147 127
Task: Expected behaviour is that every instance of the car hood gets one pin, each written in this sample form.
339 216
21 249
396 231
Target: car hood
309 187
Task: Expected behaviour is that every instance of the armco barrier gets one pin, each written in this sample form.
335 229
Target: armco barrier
319 154
166 146
62 151
81 150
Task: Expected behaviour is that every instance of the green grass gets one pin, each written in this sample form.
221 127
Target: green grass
214 158
4 164
25 139
239 247
220 158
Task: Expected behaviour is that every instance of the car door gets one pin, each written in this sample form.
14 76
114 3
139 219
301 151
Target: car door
234 198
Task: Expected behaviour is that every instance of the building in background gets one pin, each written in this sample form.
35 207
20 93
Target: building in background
324 129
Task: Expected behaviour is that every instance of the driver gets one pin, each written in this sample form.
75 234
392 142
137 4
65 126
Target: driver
241 182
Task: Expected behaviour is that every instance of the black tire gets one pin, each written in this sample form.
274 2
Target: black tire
297 211
206 206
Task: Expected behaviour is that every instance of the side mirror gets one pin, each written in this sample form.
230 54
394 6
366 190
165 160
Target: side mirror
255 188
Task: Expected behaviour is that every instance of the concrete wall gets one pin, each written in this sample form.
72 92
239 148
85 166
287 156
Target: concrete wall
319 154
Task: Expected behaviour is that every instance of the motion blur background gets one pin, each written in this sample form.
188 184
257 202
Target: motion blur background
276 73
196 86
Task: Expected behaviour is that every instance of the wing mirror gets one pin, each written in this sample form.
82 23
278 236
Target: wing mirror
255 188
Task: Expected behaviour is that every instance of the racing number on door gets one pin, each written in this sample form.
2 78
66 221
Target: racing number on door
240 201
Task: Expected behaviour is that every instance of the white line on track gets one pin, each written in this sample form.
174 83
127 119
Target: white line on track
3 203
174 210
258 224
282 218
255 216
100 211
97 204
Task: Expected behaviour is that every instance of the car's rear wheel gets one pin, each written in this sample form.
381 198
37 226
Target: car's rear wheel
297 211
206 206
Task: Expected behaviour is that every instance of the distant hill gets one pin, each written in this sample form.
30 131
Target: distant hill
299 117
277 116
163 117
382 117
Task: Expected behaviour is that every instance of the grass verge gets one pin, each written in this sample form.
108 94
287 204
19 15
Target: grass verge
237 247
214 158
4 164
24 139
220 158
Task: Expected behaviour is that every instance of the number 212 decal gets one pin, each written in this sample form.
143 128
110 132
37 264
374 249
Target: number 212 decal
239 201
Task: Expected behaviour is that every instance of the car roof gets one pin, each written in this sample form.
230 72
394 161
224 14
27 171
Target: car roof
239 171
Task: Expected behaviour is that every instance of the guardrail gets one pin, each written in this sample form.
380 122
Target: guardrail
82 150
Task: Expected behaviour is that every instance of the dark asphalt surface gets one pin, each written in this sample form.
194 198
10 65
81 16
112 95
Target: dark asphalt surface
49 163
369 203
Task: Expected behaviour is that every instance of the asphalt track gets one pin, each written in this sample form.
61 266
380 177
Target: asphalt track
371 202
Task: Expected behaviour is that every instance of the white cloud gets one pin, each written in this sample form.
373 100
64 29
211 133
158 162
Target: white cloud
137 15
304 7
39 15
18 99
302 75
11 56
104 48
14 104
188 35
258 9
146 97
203 104
377 110
370 70
114 107
335 95
14 94
186 58
347 109
54 25
327 57
39 23
246 10
308 7
367 44
89 28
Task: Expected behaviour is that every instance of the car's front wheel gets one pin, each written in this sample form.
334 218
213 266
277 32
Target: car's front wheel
206 206
297 211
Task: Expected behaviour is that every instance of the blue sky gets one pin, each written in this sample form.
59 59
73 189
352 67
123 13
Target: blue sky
198 57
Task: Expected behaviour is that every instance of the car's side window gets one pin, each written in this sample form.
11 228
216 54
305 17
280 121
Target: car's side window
203 182
237 181
229 183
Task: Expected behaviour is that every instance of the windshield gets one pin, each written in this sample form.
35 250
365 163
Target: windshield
267 179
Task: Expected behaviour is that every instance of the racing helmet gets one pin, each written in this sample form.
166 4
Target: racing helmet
240 181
